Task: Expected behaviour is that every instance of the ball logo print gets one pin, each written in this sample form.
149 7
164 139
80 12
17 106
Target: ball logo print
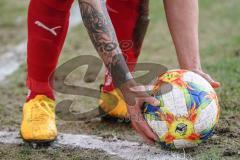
181 129
187 115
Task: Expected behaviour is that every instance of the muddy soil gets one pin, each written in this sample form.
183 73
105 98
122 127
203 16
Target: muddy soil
25 152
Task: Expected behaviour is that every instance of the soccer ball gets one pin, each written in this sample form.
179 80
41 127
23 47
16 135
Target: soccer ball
188 111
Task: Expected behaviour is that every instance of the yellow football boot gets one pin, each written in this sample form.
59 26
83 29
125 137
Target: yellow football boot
38 121
113 104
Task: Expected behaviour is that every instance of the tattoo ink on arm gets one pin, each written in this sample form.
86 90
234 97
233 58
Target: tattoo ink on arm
100 29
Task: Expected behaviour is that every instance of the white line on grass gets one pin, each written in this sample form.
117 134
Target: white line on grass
124 149
11 60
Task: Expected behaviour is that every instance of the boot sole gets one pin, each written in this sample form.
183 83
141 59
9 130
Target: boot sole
38 142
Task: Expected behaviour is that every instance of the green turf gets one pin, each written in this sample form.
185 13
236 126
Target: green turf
12 23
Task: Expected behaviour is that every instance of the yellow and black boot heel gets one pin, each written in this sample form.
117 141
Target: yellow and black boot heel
113 107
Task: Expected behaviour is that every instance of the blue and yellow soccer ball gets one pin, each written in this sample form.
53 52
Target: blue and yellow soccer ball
188 111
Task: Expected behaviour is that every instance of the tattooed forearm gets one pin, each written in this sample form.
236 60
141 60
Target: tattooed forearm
97 27
102 34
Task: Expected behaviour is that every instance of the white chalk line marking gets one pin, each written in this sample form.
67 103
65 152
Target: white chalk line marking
124 149
11 60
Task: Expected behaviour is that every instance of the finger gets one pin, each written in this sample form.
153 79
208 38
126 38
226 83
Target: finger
144 127
152 101
144 97
213 83
216 84
140 123
145 138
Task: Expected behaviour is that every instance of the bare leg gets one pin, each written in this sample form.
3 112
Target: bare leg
183 19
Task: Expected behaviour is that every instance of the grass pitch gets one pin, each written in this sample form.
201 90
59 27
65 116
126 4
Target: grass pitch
220 52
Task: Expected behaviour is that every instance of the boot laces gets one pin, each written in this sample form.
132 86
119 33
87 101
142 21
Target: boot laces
41 111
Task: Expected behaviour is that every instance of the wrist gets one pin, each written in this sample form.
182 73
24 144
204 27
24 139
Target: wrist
191 67
128 84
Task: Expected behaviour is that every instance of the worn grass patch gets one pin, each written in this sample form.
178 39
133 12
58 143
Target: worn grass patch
25 152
